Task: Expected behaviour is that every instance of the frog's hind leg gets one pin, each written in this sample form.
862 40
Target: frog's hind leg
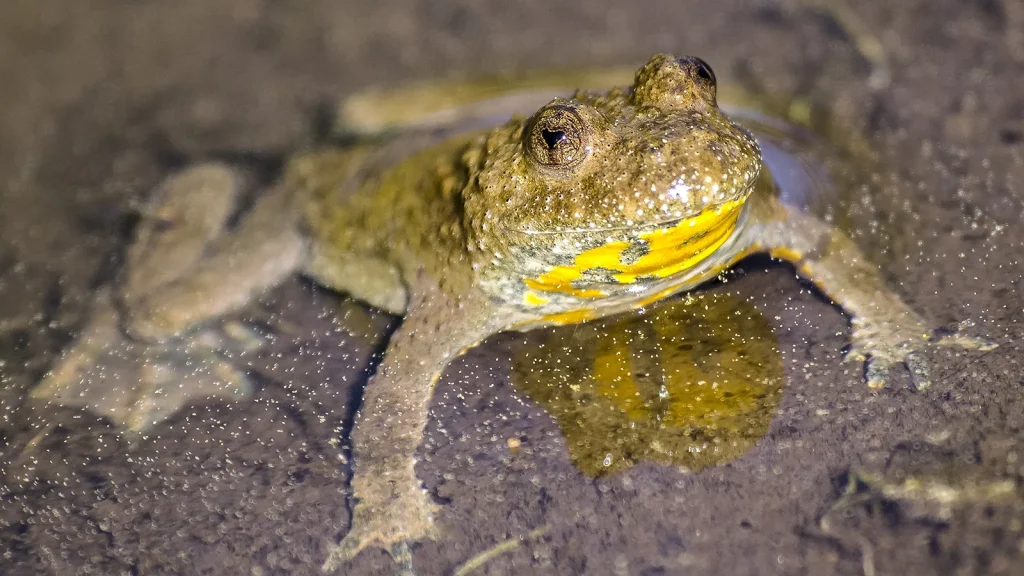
177 224
466 104
867 43
183 237
236 265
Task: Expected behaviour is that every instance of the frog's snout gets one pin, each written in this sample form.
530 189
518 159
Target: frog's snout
682 84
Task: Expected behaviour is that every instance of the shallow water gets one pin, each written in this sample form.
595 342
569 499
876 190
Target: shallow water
103 99
690 383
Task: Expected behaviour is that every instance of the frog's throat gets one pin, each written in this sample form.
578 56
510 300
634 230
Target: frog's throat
668 251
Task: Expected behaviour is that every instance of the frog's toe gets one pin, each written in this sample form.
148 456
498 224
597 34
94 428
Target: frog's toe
920 374
854 355
877 371
878 366
170 377
348 548
881 350
137 385
402 556
966 342
392 526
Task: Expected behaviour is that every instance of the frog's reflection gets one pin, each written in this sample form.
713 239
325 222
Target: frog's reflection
691 383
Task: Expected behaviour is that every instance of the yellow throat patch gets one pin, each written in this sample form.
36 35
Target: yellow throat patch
670 251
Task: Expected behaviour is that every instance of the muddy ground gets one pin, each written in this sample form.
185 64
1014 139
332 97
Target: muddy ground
101 98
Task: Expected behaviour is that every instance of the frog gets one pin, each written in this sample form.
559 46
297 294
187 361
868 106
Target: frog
592 203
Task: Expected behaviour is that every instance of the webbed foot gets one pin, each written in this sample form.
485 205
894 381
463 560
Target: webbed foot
137 385
157 339
884 344
390 523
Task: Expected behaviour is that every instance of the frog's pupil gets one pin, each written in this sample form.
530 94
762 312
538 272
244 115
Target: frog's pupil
552 137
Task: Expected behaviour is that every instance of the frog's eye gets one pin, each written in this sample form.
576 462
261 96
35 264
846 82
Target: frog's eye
704 71
557 137
701 73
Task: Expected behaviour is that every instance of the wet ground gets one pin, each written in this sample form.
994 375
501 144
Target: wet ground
100 98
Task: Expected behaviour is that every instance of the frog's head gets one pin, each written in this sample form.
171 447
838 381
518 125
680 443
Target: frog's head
595 191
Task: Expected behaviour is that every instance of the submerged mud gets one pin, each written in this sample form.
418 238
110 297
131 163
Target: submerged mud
103 99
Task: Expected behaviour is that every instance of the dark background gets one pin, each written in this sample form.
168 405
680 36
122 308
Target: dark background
99 99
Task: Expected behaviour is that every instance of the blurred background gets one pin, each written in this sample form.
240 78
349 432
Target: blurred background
100 99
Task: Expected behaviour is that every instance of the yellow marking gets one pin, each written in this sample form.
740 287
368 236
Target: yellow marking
787 254
534 299
570 317
679 248
670 251
707 275
560 279
805 268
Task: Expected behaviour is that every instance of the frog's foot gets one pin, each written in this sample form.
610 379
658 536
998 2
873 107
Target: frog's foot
391 524
138 385
159 323
158 340
884 344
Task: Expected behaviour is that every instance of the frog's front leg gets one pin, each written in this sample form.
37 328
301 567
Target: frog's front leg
885 330
391 506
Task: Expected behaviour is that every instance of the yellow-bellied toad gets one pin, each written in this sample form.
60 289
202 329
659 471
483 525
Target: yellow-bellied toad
596 203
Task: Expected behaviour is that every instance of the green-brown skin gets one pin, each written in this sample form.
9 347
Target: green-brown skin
582 210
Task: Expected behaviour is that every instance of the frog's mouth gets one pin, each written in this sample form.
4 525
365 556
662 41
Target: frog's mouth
664 250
